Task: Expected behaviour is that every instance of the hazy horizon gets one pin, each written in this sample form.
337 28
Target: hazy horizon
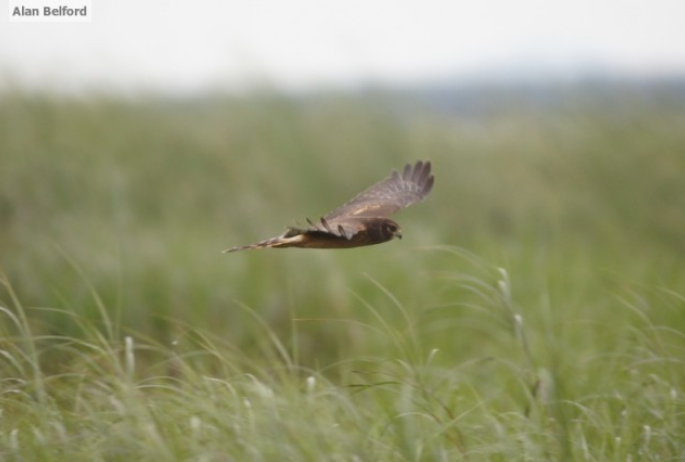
303 45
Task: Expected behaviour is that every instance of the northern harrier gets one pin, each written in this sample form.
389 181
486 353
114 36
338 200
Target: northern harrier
364 219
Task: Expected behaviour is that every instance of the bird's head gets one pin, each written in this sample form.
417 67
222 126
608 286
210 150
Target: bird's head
390 230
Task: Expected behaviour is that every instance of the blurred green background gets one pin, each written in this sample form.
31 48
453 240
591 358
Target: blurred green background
534 309
579 197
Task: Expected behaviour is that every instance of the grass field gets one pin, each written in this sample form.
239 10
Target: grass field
535 309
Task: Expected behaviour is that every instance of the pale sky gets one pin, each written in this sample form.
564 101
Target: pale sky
175 45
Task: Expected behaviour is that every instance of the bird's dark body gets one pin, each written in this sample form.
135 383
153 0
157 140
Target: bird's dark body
376 231
363 220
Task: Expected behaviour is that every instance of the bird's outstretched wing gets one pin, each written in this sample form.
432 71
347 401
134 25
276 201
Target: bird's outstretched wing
386 197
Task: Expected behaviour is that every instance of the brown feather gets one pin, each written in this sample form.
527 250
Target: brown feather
390 195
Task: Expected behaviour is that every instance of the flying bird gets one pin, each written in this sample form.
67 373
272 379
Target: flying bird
364 219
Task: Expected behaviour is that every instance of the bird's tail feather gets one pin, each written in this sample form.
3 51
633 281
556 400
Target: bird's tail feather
279 241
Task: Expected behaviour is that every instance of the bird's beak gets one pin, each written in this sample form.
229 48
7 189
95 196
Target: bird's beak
398 234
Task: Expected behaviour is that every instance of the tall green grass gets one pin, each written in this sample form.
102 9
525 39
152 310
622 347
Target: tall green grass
533 311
